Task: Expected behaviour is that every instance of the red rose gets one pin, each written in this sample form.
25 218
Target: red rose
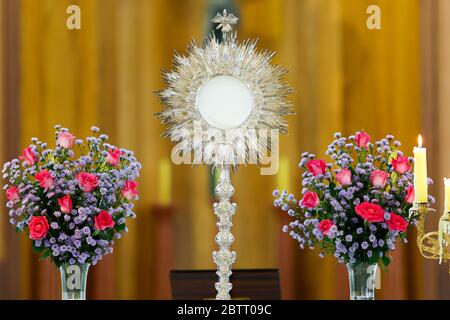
344 177
310 200
379 178
325 226
113 157
410 195
45 179
397 223
13 193
103 220
316 167
38 227
362 139
65 204
401 164
88 181
28 157
370 212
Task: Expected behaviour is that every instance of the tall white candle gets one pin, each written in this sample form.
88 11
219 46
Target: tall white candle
420 173
447 194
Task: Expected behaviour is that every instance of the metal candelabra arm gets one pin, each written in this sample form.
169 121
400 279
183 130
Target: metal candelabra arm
432 245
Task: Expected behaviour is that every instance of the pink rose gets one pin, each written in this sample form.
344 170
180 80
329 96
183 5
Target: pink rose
410 195
13 193
28 157
310 200
65 203
88 181
45 179
130 190
103 220
362 139
316 167
65 140
379 178
401 164
113 157
344 177
38 227
397 223
370 212
325 226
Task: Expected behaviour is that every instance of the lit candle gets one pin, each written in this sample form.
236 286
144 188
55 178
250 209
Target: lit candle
165 182
283 174
447 194
420 173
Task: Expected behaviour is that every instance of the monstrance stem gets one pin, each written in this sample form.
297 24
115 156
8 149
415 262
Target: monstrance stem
224 211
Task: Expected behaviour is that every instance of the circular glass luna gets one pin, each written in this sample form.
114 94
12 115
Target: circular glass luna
225 102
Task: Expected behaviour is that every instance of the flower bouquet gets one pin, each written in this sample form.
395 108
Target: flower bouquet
72 207
355 207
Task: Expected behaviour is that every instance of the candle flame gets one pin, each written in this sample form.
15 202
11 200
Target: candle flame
420 140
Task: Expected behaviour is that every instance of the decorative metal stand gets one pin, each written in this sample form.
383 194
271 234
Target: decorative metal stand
432 245
224 211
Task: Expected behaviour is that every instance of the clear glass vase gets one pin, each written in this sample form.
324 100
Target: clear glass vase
362 280
73 281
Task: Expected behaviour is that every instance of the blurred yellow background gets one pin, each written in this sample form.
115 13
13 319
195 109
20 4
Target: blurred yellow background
346 78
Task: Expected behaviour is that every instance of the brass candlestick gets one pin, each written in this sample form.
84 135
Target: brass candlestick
432 245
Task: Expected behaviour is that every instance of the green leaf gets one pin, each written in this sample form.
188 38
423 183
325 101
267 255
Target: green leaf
120 227
393 155
45 255
394 177
37 249
374 258
386 261
109 233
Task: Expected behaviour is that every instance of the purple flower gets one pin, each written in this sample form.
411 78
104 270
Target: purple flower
86 230
364 245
